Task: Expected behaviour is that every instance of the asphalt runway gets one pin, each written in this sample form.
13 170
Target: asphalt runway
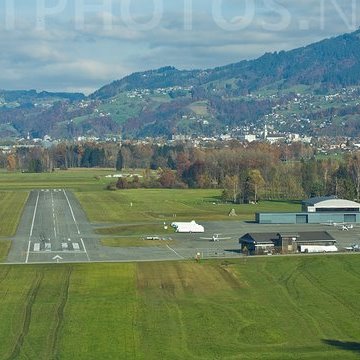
51 229
55 229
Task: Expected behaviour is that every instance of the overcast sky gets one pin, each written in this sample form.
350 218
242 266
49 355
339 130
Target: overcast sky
80 45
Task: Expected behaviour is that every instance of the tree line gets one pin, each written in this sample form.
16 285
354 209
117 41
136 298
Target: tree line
245 172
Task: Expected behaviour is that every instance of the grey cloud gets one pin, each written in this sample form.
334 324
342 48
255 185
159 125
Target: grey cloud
68 56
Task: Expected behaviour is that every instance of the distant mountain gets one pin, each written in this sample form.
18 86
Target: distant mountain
313 90
30 96
331 63
161 78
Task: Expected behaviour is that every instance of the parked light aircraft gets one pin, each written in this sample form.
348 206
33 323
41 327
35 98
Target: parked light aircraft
346 227
354 247
341 225
216 237
333 223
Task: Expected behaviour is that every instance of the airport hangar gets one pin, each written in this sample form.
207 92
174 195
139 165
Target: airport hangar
286 243
319 210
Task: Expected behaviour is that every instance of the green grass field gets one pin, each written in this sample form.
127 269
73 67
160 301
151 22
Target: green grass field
5 246
135 230
253 308
132 235
75 179
11 206
149 205
126 242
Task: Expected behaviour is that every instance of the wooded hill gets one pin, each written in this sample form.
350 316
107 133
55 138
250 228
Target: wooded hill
331 63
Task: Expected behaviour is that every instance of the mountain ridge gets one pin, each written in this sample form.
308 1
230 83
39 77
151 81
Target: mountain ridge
260 71
312 90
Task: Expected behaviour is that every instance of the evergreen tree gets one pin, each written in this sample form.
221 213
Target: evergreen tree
119 161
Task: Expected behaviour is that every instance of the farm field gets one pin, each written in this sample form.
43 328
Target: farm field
253 308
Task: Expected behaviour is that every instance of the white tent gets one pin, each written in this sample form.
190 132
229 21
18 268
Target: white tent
188 227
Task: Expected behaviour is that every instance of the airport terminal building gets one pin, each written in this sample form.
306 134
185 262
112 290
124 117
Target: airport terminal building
316 211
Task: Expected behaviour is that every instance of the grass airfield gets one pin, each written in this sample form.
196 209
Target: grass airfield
149 205
302 307
252 308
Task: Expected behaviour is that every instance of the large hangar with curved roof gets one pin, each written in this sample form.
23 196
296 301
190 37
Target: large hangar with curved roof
316 210
330 204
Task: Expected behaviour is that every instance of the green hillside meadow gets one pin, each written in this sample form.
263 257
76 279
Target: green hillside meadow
269 308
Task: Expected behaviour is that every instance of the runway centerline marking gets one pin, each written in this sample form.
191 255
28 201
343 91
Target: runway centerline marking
54 217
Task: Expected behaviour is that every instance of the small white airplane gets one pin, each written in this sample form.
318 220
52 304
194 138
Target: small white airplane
333 223
340 225
346 227
216 237
354 247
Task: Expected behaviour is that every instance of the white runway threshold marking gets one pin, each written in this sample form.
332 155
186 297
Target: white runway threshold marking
77 226
32 228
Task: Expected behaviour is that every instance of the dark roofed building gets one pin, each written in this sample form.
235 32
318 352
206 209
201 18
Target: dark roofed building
258 243
287 243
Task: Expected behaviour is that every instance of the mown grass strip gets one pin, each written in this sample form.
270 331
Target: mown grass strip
5 246
135 230
151 205
29 302
11 207
63 298
99 319
78 179
127 242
